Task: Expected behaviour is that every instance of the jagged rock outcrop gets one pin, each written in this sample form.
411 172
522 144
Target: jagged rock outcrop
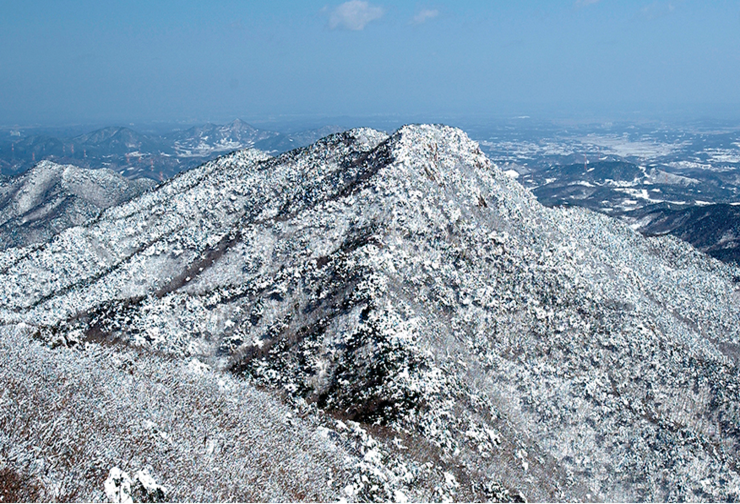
470 342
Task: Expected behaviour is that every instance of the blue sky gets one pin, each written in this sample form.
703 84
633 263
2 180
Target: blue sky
74 61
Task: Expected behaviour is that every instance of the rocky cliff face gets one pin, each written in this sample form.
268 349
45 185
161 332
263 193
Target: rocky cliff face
454 337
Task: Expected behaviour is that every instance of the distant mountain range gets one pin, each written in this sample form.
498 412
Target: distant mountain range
696 205
159 157
615 187
204 141
714 229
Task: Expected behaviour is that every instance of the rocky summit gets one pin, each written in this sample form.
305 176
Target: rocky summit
371 317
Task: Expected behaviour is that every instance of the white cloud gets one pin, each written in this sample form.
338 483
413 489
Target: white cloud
657 10
354 15
424 15
585 3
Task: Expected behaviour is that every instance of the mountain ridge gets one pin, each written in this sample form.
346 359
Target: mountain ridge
40 203
152 155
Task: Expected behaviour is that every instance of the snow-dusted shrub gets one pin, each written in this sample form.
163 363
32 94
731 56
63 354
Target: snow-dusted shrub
68 416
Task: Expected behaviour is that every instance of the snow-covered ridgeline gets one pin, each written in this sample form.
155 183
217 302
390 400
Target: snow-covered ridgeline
406 281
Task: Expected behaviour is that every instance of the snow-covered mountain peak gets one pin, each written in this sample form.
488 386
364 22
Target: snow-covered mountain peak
50 197
404 281
419 141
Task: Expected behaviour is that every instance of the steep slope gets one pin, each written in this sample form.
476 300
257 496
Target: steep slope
484 345
695 208
50 198
66 419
